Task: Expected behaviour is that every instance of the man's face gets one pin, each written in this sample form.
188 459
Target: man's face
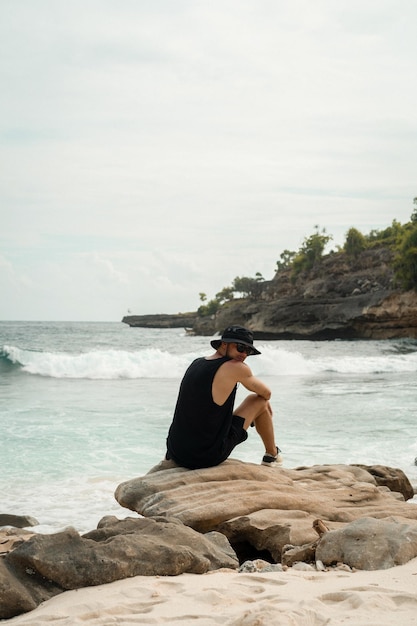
238 351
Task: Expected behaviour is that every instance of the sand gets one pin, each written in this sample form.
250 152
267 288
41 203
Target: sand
229 598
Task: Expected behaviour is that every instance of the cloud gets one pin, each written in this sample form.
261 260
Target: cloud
174 146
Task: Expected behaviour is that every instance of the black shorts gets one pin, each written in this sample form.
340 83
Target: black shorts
237 434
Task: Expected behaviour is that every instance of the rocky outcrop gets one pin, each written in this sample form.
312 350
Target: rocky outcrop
201 520
356 317
46 565
262 510
378 315
339 298
18 521
369 544
177 320
392 478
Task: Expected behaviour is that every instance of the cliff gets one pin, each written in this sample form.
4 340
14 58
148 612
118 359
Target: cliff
340 298
161 320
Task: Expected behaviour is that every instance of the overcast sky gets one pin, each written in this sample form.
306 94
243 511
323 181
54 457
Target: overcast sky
155 149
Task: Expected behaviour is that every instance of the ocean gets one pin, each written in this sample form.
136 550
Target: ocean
85 406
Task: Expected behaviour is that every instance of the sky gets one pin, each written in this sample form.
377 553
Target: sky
153 150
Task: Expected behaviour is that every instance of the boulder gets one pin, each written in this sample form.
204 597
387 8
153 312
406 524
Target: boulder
15 598
205 498
268 531
18 521
390 477
261 509
46 565
370 544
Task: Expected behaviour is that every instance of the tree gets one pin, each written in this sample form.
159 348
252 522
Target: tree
414 213
225 294
355 242
388 236
210 308
311 251
406 260
286 259
248 287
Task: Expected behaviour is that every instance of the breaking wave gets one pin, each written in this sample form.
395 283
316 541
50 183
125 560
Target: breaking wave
155 363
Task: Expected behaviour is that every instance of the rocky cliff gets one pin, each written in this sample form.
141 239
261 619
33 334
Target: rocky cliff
162 320
340 298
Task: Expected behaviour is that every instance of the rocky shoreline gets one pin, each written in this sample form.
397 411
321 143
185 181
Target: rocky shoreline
341 298
238 516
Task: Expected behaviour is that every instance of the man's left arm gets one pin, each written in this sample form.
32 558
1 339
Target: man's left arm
252 383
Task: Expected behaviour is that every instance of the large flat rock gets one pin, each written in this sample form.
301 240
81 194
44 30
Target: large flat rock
264 510
204 499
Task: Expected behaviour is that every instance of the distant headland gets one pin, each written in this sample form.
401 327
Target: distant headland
366 290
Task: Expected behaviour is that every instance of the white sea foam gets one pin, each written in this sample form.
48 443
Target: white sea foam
100 364
157 363
369 365
82 503
277 362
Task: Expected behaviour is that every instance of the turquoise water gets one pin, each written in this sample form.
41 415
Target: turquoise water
85 406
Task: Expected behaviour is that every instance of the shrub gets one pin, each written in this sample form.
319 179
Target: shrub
311 251
355 243
406 259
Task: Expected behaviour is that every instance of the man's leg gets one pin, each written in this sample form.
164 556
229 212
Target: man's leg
258 410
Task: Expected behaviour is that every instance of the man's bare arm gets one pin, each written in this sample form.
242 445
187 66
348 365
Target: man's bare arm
252 383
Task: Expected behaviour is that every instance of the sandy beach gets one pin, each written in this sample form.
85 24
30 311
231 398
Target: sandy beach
289 598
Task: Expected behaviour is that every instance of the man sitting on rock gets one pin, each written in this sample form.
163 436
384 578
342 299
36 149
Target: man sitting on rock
206 428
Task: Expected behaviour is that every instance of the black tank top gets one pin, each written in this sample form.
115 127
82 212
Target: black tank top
200 426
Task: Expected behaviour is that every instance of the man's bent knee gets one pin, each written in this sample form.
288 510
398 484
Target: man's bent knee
251 408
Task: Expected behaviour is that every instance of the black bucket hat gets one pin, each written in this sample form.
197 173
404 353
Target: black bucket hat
236 334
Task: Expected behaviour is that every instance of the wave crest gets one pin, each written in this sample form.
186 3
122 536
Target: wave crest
98 364
156 363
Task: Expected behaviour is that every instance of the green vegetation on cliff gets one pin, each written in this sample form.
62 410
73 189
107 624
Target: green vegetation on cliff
243 285
399 240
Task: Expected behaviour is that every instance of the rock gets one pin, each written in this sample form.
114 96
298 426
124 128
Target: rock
260 510
269 531
206 498
10 539
46 565
303 567
166 547
342 567
296 554
162 320
248 567
201 520
15 598
394 479
18 521
379 314
320 527
370 544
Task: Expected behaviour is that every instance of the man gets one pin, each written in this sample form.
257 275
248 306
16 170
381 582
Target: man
206 428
